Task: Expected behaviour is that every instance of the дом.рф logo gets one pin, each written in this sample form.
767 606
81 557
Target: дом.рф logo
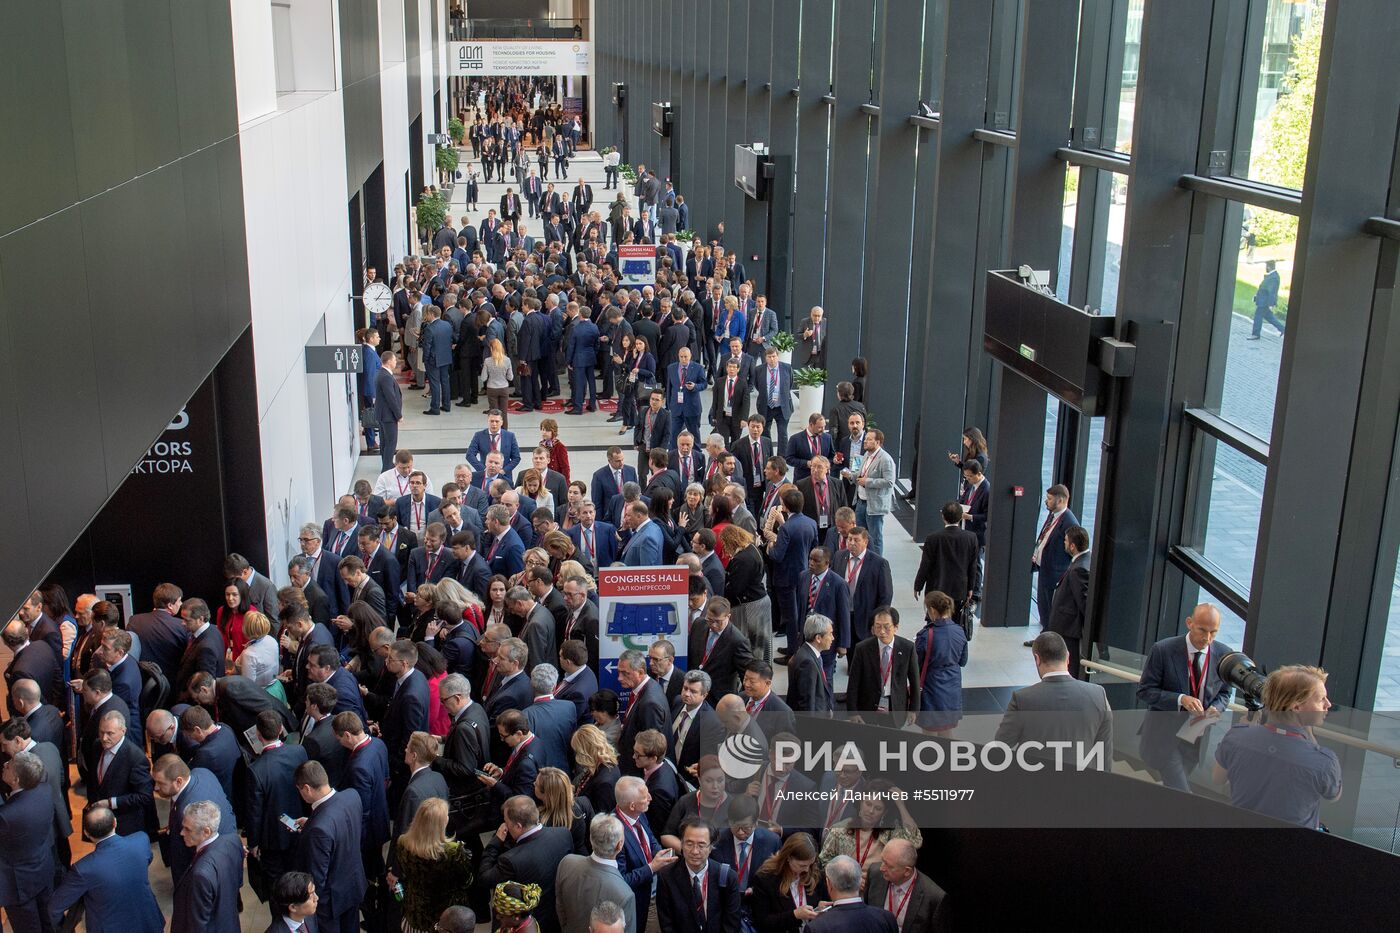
741 756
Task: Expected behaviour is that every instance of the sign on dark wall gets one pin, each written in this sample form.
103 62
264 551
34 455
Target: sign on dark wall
195 494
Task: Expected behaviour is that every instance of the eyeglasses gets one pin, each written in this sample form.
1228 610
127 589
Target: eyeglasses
307 540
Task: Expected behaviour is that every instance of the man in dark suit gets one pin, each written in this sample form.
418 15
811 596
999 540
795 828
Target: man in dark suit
14 739
26 845
848 913
382 567
695 729
407 712
533 189
323 667
821 495
581 353
431 562
752 452
506 686
521 764
810 443
177 782
867 577
699 894
661 476
467 746
121 778
112 881
582 199
423 783
653 429
415 509
595 538
45 722
162 636
719 649
763 706
809 689
366 775
790 551
552 720
206 896
744 845
579 682
329 850
1179 681
213 746
729 406
1071 599
950 560
686 462
524 851
98 700
361 586
268 793
608 480
1050 559
114 653
388 408
33 661
1061 707
884 671
510 206
647 708
897 885
205 651
318 734
648 753
301 632
469 567
505 551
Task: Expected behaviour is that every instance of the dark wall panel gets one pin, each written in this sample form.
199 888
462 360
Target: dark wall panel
359 55
202 34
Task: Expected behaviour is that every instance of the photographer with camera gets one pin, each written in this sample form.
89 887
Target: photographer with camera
1272 761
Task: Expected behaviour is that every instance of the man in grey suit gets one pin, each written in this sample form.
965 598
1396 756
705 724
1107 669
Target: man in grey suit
874 481
1059 708
585 880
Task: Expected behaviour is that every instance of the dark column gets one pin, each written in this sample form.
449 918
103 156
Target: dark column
716 129
885 305
1311 520
736 127
953 337
783 144
1020 432
760 39
850 155
813 120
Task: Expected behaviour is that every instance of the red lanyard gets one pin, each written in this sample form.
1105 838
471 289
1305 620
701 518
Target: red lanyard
709 646
636 828
1277 730
434 562
853 569
418 514
898 909
1192 682
821 497
748 857
799 894
862 854
700 810
812 443
869 462
402 482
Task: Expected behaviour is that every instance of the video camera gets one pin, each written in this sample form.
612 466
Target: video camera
1239 671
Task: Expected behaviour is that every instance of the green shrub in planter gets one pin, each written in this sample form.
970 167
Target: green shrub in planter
783 342
457 130
446 158
432 210
687 236
808 377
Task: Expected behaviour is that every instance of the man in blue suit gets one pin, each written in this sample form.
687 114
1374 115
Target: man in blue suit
114 652
1180 682
552 720
206 897
407 712
608 481
26 845
436 345
181 786
773 382
163 636
503 550
596 539
269 792
822 592
494 438
329 851
214 747
582 354
642 855
643 548
1050 560
366 775
381 566
532 344
789 549
323 667
809 686
388 408
112 881
685 388
813 442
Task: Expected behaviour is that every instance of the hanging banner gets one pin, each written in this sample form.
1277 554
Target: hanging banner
637 606
511 57
638 262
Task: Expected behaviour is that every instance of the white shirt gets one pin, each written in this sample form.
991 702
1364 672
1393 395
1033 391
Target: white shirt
388 488
1040 541
317 804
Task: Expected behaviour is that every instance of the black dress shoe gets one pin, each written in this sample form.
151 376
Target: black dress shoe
431 412
615 418
1027 644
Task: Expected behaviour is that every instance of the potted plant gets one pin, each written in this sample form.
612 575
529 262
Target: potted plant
430 212
811 389
446 160
783 342
628 173
685 236
457 130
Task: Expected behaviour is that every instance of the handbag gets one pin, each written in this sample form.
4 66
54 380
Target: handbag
967 620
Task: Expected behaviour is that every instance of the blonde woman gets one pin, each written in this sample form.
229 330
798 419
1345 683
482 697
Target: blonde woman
535 557
559 806
436 871
596 768
531 484
497 375
259 660
573 568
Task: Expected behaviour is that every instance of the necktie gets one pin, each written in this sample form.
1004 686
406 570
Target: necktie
773 389
757 463
812 592
885 666
812 442
699 899
495 442
1197 664
617 476
743 862
682 727
651 416
1045 528
588 543
102 766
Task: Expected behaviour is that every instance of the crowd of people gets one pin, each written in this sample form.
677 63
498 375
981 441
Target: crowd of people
411 732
